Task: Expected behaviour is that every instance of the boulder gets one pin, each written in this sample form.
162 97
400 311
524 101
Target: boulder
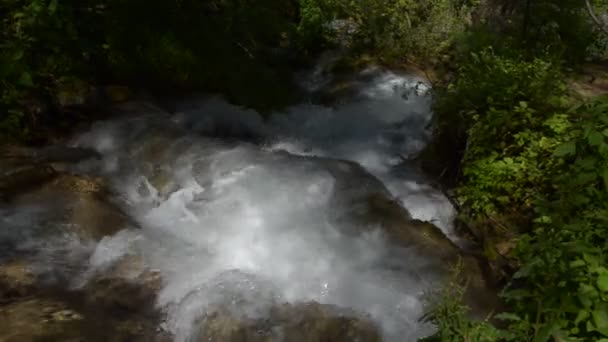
16 280
17 177
73 93
58 319
128 284
80 203
444 256
117 94
38 319
307 322
23 168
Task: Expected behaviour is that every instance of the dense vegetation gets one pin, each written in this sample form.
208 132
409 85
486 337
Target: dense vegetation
234 47
533 170
244 49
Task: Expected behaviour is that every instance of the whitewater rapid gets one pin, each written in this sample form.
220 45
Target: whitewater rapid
259 215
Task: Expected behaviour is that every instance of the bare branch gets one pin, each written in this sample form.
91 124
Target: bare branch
599 23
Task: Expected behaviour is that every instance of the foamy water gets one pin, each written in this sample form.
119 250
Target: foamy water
247 226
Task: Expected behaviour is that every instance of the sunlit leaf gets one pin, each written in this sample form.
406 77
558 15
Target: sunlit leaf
602 282
506 316
600 318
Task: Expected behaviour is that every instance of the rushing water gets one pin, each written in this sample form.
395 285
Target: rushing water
257 216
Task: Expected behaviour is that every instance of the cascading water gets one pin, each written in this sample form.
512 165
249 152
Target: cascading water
248 225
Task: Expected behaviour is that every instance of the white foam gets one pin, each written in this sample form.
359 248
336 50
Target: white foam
263 225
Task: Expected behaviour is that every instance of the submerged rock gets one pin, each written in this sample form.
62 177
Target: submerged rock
307 322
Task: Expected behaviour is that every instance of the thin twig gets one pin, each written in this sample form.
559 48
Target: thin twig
246 50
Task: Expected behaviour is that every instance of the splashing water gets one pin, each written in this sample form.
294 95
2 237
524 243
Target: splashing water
237 224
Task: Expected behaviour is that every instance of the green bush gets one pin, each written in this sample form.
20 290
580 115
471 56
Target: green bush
565 260
508 104
560 292
446 311
395 31
538 163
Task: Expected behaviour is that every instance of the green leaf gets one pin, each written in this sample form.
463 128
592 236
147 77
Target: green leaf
582 315
17 55
546 331
518 294
566 149
586 177
602 282
25 79
577 263
600 318
595 138
506 316
53 6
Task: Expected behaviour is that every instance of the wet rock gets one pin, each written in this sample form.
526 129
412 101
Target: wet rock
72 92
50 154
80 203
56 319
338 90
16 177
23 168
308 322
398 223
64 154
117 94
443 255
16 280
128 285
353 182
137 108
39 319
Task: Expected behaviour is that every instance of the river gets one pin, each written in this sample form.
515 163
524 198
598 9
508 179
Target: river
241 211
